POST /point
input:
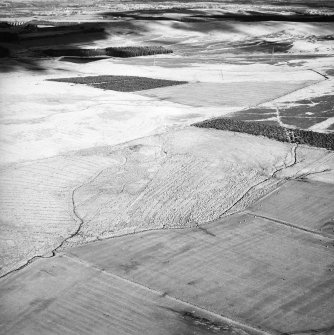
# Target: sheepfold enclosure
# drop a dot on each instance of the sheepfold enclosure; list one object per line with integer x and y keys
{"x": 282, "y": 134}
{"x": 123, "y": 52}
{"x": 120, "y": 83}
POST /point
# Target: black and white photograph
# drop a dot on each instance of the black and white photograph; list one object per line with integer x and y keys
{"x": 166, "y": 167}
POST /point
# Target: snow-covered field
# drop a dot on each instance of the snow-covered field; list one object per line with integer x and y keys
{"x": 237, "y": 226}
{"x": 61, "y": 142}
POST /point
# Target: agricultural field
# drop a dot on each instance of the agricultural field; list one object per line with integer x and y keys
{"x": 230, "y": 94}
{"x": 166, "y": 167}
{"x": 289, "y": 204}
{"x": 123, "y": 52}
{"x": 278, "y": 133}
{"x": 311, "y": 108}
{"x": 121, "y": 83}
{"x": 231, "y": 268}
{"x": 107, "y": 302}
{"x": 210, "y": 258}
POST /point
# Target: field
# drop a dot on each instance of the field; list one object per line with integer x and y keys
{"x": 118, "y": 216}
{"x": 289, "y": 204}
{"x": 310, "y": 108}
{"x": 228, "y": 268}
{"x": 100, "y": 302}
{"x": 123, "y": 52}
{"x": 230, "y": 94}
{"x": 271, "y": 131}
{"x": 192, "y": 281}
{"x": 121, "y": 83}
{"x": 103, "y": 191}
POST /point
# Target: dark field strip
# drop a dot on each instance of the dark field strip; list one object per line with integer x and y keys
{"x": 123, "y": 52}
{"x": 271, "y": 131}
{"x": 121, "y": 83}
{"x": 303, "y": 114}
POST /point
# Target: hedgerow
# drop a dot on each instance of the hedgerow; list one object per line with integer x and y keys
{"x": 300, "y": 136}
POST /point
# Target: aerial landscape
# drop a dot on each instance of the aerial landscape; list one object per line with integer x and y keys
{"x": 167, "y": 167}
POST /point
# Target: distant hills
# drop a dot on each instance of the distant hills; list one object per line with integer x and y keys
{"x": 87, "y": 9}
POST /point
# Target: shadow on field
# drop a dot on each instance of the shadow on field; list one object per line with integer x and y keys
{"x": 10, "y": 64}
{"x": 19, "y": 43}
